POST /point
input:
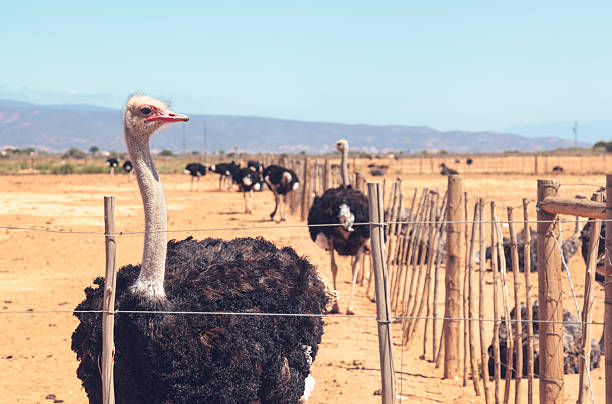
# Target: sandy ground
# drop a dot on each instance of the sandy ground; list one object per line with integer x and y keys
{"x": 48, "y": 271}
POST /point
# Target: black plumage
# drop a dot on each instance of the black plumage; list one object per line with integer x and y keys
{"x": 127, "y": 166}
{"x": 281, "y": 182}
{"x": 326, "y": 210}
{"x": 226, "y": 172}
{"x": 112, "y": 162}
{"x": 248, "y": 180}
{"x": 166, "y": 358}
{"x": 195, "y": 170}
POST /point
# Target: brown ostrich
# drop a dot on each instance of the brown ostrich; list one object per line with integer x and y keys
{"x": 342, "y": 207}
{"x": 179, "y": 358}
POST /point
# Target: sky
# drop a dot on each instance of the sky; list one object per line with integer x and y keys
{"x": 449, "y": 65}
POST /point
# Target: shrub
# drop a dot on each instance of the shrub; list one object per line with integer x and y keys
{"x": 63, "y": 169}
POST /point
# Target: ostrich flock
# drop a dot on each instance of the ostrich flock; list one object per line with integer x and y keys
{"x": 165, "y": 357}
{"x": 161, "y": 357}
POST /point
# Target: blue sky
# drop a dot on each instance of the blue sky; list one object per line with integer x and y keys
{"x": 448, "y": 65}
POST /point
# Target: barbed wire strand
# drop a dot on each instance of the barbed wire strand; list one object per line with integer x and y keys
{"x": 208, "y": 229}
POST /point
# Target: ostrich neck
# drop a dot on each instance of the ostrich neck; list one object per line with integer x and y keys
{"x": 345, "y": 180}
{"x": 150, "y": 282}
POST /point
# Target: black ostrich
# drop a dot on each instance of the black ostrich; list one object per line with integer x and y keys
{"x": 112, "y": 163}
{"x": 168, "y": 358}
{"x": 342, "y": 207}
{"x": 128, "y": 168}
{"x": 248, "y": 180}
{"x": 447, "y": 170}
{"x": 469, "y": 161}
{"x": 281, "y": 181}
{"x": 557, "y": 170}
{"x": 195, "y": 170}
{"x": 226, "y": 173}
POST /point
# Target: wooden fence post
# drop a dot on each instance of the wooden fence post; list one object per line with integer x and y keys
{"x": 550, "y": 298}
{"x": 108, "y": 315}
{"x": 305, "y": 191}
{"x": 383, "y": 307}
{"x": 608, "y": 292}
{"x": 454, "y": 252}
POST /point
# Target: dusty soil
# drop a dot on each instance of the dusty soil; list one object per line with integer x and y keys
{"x": 48, "y": 271}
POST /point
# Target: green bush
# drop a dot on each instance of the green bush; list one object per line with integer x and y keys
{"x": 93, "y": 170}
{"x": 63, "y": 169}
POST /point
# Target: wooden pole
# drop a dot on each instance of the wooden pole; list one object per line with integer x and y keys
{"x": 529, "y": 308}
{"x": 471, "y": 302}
{"x": 575, "y": 207}
{"x": 496, "y": 317}
{"x": 436, "y": 283}
{"x": 454, "y": 252}
{"x": 551, "y": 301}
{"x": 518, "y": 339}
{"x": 484, "y": 357}
{"x": 587, "y": 309}
{"x": 108, "y": 315}
{"x": 305, "y": 191}
{"x": 504, "y": 287}
{"x": 383, "y": 307}
{"x": 608, "y": 292}
{"x": 466, "y": 325}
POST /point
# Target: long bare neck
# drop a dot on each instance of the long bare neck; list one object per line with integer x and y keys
{"x": 344, "y": 168}
{"x": 150, "y": 282}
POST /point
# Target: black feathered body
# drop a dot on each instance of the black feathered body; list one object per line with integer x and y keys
{"x": 248, "y": 179}
{"x": 127, "y": 166}
{"x": 112, "y": 162}
{"x": 326, "y": 209}
{"x": 189, "y": 358}
{"x": 226, "y": 169}
{"x": 195, "y": 169}
{"x": 276, "y": 177}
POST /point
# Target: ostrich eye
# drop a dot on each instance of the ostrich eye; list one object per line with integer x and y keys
{"x": 145, "y": 110}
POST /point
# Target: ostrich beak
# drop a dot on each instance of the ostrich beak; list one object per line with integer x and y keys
{"x": 168, "y": 116}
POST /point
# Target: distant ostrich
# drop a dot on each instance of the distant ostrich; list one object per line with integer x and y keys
{"x": 557, "y": 170}
{"x": 469, "y": 161}
{"x": 226, "y": 173}
{"x": 281, "y": 181}
{"x": 168, "y": 358}
{"x": 112, "y": 163}
{"x": 447, "y": 170}
{"x": 259, "y": 167}
{"x": 248, "y": 180}
{"x": 343, "y": 206}
{"x": 128, "y": 168}
{"x": 195, "y": 170}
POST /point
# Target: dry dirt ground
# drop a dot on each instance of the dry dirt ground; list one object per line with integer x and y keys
{"x": 48, "y": 271}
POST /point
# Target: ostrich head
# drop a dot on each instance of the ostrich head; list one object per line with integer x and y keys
{"x": 342, "y": 145}
{"x": 144, "y": 115}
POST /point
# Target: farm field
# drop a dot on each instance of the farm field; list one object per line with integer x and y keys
{"x": 48, "y": 271}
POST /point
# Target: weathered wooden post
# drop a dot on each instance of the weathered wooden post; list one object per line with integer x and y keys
{"x": 305, "y": 191}
{"x": 108, "y": 313}
{"x": 454, "y": 252}
{"x": 608, "y": 292}
{"x": 528, "y": 311}
{"x": 383, "y": 306}
{"x": 587, "y": 309}
{"x": 550, "y": 299}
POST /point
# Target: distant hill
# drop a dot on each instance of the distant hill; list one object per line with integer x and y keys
{"x": 59, "y": 127}
{"x": 588, "y": 131}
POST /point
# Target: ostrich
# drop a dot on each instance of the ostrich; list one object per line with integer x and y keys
{"x": 469, "y": 161}
{"x": 112, "y": 163}
{"x": 128, "y": 168}
{"x": 557, "y": 170}
{"x": 281, "y": 181}
{"x": 447, "y": 170}
{"x": 342, "y": 207}
{"x": 195, "y": 170}
{"x": 249, "y": 180}
{"x": 169, "y": 358}
{"x": 226, "y": 172}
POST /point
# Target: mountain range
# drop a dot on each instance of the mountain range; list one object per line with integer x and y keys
{"x": 60, "y": 127}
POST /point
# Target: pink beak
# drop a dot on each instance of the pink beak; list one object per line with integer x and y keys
{"x": 168, "y": 116}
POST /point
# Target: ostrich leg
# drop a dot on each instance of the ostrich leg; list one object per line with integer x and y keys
{"x": 191, "y": 185}
{"x": 355, "y": 272}
{"x": 276, "y": 201}
{"x": 251, "y": 201}
{"x": 284, "y": 208}
{"x": 220, "y": 182}
{"x": 334, "y": 271}
{"x": 112, "y": 171}
{"x": 246, "y": 206}
{"x": 198, "y": 184}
